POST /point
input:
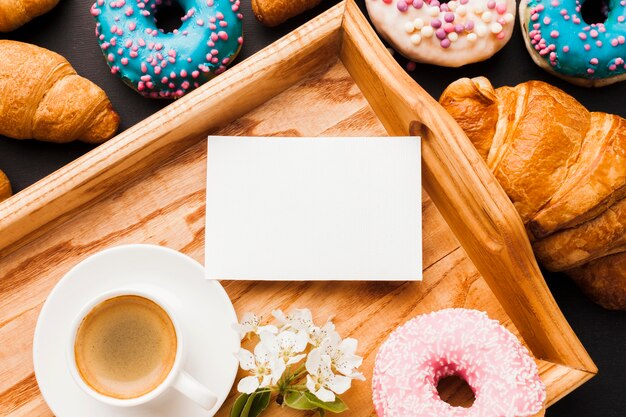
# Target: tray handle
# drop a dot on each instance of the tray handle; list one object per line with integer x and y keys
{"x": 466, "y": 193}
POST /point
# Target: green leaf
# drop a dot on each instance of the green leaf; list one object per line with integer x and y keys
{"x": 260, "y": 403}
{"x": 337, "y": 406}
{"x": 298, "y": 400}
{"x": 240, "y": 402}
{"x": 245, "y": 412}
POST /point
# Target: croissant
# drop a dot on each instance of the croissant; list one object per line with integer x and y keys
{"x": 15, "y": 13}
{"x": 5, "y": 187}
{"x": 564, "y": 169}
{"x": 42, "y": 97}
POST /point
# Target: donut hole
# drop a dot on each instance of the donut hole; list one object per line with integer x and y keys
{"x": 455, "y": 391}
{"x": 594, "y": 11}
{"x": 168, "y": 16}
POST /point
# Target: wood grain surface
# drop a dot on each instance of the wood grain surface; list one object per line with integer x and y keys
{"x": 148, "y": 185}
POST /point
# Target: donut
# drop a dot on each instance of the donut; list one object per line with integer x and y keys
{"x": 560, "y": 41}
{"x": 168, "y": 65}
{"x": 448, "y": 34}
{"x": 461, "y": 342}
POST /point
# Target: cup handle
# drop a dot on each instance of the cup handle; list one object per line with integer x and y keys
{"x": 195, "y": 391}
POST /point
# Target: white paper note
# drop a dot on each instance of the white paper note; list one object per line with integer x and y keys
{"x": 313, "y": 209}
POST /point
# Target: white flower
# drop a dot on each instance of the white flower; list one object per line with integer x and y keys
{"x": 320, "y": 380}
{"x": 298, "y": 320}
{"x": 288, "y": 345}
{"x": 265, "y": 366}
{"x": 251, "y": 324}
{"x": 342, "y": 355}
{"x": 318, "y": 334}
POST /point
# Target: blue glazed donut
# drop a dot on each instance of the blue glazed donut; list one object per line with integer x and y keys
{"x": 560, "y": 41}
{"x": 168, "y": 65}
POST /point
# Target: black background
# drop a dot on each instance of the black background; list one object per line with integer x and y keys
{"x": 69, "y": 30}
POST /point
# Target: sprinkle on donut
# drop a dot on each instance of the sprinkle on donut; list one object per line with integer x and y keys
{"x": 558, "y": 34}
{"x": 168, "y": 65}
{"x": 462, "y": 31}
{"x": 461, "y": 342}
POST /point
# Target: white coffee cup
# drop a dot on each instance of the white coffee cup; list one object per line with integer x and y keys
{"x": 177, "y": 378}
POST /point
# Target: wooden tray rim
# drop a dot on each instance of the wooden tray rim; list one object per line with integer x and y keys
{"x": 342, "y": 31}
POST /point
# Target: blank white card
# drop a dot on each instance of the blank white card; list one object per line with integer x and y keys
{"x": 313, "y": 209}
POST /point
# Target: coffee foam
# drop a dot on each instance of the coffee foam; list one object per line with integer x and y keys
{"x": 125, "y": 347}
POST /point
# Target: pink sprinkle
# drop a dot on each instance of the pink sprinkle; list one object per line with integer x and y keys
{"x": 183, "y": 73}
{"x": 590, "y": 70}
{"x": 141, "y": 86}
{"x": 555, "y": 3}
{"x": 133, "y": 54}
{"x": 500, "y": 35}
{"x": 546, "y": 20}
{"x": 124, "y": 61}
{"x": 566, "y": 49}
{"x": 145, "y": 78}
{"x": 158, "y": 47}
{"x": 195, "y": 74}
{"x": 111, "y": 57}
{"x": 144, "y": 67}
{"x": 612, "y": 67}
{"x": 200, "y": 22}
{"x": 593, "y": 61}
{"x": 491, "y": 4}
{"x": 128, "y": 43}
{"x": 448, "y": 27}
{"x": 587, "y": 47}
{"x": 209, "y": 3}
{"x": 172, "y": 75}
{"x": 614, "y": 42}
{"x": 214, "y": 37}
{"x": 445, "y": 43}
{"x": 582, "y": 36}
{"x": 621, "y": 19}
{"x": 225, "y": 61}
{"x": 185, "y": 85}
{"x": 157, "y": 70}
{"x": 554, "y": 34}
{"x": 219, "y": 15}
{"x": 621, "y": 39}
{"x": 501, "y": 8}
{"x": 223, "y": 23}
{"x": 223, "y": 35}
{"x": 215, "y": 60}
{"x": 164, "y": 80}
{"x": 599, "y": 44}
{"x": 594, "y": 33}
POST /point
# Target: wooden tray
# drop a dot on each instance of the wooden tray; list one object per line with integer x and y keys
{"x": 330, "y": 77}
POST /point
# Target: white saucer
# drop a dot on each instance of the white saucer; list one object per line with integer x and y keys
{"x": 203, "y": 308}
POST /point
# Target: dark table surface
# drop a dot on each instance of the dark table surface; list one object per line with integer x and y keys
{"x": 68, "y": 30}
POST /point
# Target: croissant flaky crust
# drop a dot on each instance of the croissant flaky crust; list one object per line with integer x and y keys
{"x": 15, "y": 13}
{"x": 5, "y": 187}
{"x": 564, "y": 169}
{"x": 42, "y": 97}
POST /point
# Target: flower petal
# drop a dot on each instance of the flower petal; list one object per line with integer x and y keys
{"x": 246, "y": 360}
{"x": 325, "y": 395}
{"x": 296, "y": 359}
{"x": 248, "y": 385}
{"x": 339, "y": 383}
{"x": 278, "y": 368}
{"x": 313, "y": 361}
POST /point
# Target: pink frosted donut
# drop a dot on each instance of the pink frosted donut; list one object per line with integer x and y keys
{"x": 461, "y": 342}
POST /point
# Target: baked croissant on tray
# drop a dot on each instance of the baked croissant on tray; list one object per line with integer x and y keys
{"x": 564, "y": 169}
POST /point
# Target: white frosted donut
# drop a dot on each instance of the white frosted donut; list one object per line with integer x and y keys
{"x": 467, "y": 343}
{"x": 448, "y": 34}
